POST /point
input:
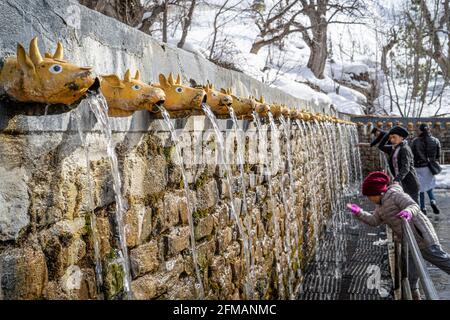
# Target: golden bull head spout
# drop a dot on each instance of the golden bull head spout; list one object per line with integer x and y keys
{"x": 219, "y": 101}
{"x": 243, "y": 107}
{"x": 262, "y": 108}
{"x": 180, "y": 100}
{"x": 31, "y": 78}
{"x": 129, "y": 95}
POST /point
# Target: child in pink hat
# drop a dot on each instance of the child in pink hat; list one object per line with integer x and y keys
{"x": 391, "y": 205}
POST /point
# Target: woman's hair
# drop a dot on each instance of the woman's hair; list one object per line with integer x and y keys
{"x": 424, "y": 127}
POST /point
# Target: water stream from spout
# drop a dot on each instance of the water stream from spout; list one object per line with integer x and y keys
{"x": 169, "y": 124}
{"x": 275, "y": 140}
{"x": 99, "y": 107}
{"x": 313, "y": 191}
{"x": 291, "y": 218}
{"x": 358, "y": 164}
{"x": 245, "y": 213}
{"x": 220, "y": 141}
{"x": 267, "y": 172}
{"x": 77, "y": 114}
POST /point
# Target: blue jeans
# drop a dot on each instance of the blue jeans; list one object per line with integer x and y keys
{"x": 422, "y": 198}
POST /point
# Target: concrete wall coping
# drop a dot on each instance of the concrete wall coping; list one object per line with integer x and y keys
{"x": 90, "y": 38}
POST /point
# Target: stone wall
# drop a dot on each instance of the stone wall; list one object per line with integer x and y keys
{"x": 46, "y": 247}
{"x": 46, "y": 240}
{"x": 373, "y": 159}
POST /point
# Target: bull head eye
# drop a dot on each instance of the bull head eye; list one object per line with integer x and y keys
{"x": 213, "y": 94}
{"x": 136, "y": 87}
{"x": 55, "y": 68}
{"x": 179, "y": 89}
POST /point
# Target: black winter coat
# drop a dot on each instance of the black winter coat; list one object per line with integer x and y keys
{"x": 425, "y": 147}
{"x": 405, "y": 161}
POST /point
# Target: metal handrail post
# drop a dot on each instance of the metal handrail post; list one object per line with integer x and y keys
{"x": 406, "y": 288}
{"x": 425, "y": 280}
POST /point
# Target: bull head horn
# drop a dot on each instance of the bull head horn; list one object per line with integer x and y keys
{"x": 35, "y": 54}
{"x": 178, "y": 80}
{"x": 163, "y": 81}
{"x": 127, "y": 76}
{"x": 24, "y": 60}
{"x": 59, "y": 53}
{"x": 170, "y": 79}
{"x": 137, "y": 76}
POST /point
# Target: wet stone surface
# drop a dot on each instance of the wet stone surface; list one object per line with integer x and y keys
{"x": 441, "y": 224}
{"x": 351, "y": 263}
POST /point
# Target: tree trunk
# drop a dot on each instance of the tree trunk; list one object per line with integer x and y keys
{"x": 388, "y": 47}
{"x": 437, "y": 52}
{"x": 165, "y": 21}
{"x": 318, "y": 45}
{"x": 129, "y": 12}
{"x": 186, "y": 25}
{"x": 317, "y": 59}
{"x": 256, "y": 46}
{"x": 148, "y": 23}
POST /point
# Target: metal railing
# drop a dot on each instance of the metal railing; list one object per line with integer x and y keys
{"x": 403, "y": 249}
{"x": 409, "y": 246}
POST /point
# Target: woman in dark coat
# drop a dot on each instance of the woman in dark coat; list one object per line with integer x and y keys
{"x": 425, "y": 148}
{"x": 401, "y": 160}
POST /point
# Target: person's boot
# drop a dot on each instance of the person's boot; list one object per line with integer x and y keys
{"x": 424, "y": 211}
{"x": 434, "y": 207}
{"x": 416, "y": 294}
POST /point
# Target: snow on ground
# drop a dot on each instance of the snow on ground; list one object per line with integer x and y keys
{"x": 443, "y": 179}
{"x": 301, "y": 90}
{"x": 353, "y": 61}
{"x": 286, "y": 69}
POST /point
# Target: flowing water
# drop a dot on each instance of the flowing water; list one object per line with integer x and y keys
{"x": 92, "y": 217}
{"x": 275, "y": 139}
{"x": 166, "y": 116}
{"x": 99, "y": 107}
{"x": 245, "y": 213}
{"x": 276, "y": 228}
{"x": 292, "y": 219}
{"x": 221, "y": 149}
{"x": 288, "y": 203}
{"x": 331, "y": 170}
{"x": 312, "y": 191}
{"x": 358, "y": 163}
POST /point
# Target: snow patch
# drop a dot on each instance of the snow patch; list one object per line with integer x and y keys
{"x": 443, "y": 179}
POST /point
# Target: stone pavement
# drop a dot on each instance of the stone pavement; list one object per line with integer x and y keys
{"x": 441, "y": 223}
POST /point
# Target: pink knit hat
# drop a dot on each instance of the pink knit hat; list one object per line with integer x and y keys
{"x": 375, "y": 183}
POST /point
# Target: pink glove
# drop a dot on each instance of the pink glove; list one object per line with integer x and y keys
{"x": 405, "y": 214}
{"x": 354, "y": 208}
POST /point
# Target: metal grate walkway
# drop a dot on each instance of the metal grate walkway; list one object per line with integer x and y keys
{"x": 351, "y": 264}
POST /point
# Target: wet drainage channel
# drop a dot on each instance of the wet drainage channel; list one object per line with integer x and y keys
{"x": 361, "y": 255}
